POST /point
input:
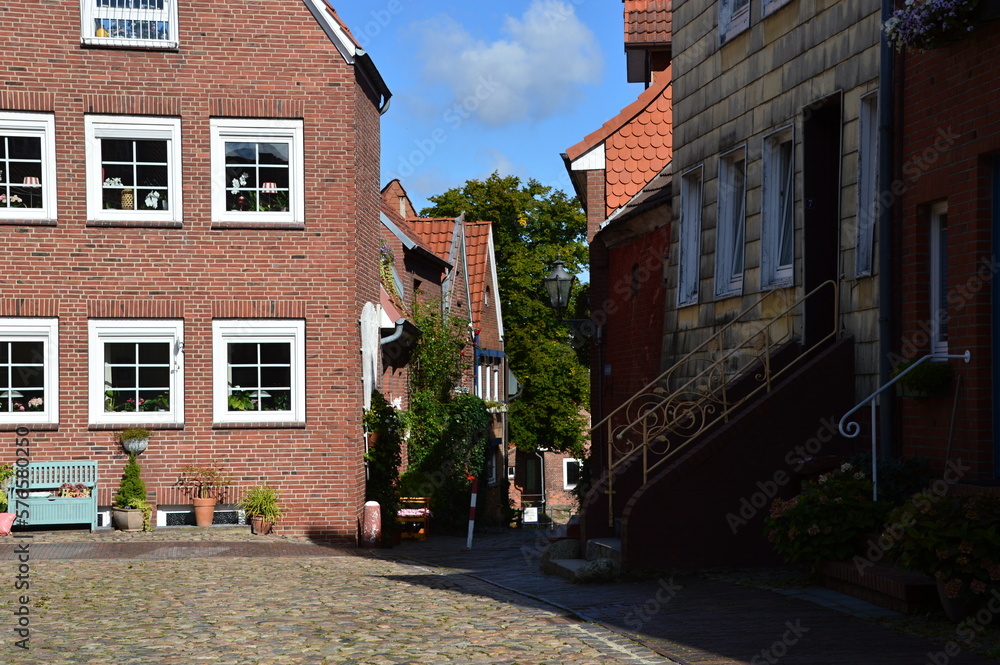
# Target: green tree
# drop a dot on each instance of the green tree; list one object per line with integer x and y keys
{"x": 533, "y": 226}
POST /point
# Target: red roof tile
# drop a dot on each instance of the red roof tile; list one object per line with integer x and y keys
{"x": 647, "y": 21}
{"x": 437, "y": 232}
{"x": 343, "y": 26}
{"x": 477, "y": 244}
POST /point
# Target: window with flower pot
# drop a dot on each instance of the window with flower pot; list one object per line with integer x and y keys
{"x": 730, "y": 224}
{"x": 129, "y": 23}
{"x": 29, "y": 370}
{"x": 27, "y": 166}
{"x": 133, "y": 168}
{"x": 136, "y": 371}
{"x": 259, "y": 370}
{"x": 257, "y": 169}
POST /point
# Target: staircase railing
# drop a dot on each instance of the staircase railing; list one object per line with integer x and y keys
{"x": 706, "y": 386}
{"x": 851, "y": 428}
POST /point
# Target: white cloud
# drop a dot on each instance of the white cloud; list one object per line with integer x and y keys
{"x": 534, "y": 72}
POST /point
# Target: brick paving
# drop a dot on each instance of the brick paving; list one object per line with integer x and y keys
{"x": 151, "y": 599}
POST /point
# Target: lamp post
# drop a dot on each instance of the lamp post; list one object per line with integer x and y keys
{"x": 559, "y": 283}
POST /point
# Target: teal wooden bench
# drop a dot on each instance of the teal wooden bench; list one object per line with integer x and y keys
{"x": 41, "y": 505}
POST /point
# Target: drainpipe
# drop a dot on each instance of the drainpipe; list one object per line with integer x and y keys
{"x": 886, "y": 112}
{"x": 395, "y": 335}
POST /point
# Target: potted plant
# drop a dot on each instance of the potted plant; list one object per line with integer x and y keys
{"x": 955, "y": 540}
{"x": 206, "y": 484}
{"x": 260, "y": 503}
{"x": 929, "y": 24}
{"x": 130, "y": 511}
{"x": 134, "y": 439}
{"x": 6, "y": 518}
{"x": 928, "y": 379}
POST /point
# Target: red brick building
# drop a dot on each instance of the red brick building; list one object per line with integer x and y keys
{"x": 190, "y": 211}
{"x": 947, "y": 193}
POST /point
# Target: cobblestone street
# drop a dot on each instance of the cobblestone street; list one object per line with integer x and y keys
{"x": 307, "y": 604}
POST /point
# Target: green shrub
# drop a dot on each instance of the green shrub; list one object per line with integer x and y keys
{"x": 132, "y": 488}
{"x": 383, "y": 458}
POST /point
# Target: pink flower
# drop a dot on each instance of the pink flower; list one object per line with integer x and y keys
{"x": 35, "y": 401}
{"x": 978, "y": 586}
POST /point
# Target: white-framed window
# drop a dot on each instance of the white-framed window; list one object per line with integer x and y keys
{"x": 258, "y": 370}
{"x": 777, "y": 247}
{"x": 867, "y": 209}
{"x": 688, "y": 273}
{"x": 768, "y": 7}
{"x": 129, "y": 23}
{"x": 133, "y": 168}
{"x": 734, "y": 18}
{"x": 257, "y": 170}
{"x": 136, "y": 370}
{"x": 731, "y": 223}
{"x": 27, "y": 166}
{"x": 29, "y": 370}
{"x": 939, "y": 277}
{"x": 571, "y": 472}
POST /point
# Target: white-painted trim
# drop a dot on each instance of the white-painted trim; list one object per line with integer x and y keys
{"x": 36, "y": 330}
{"x": 42, "y": 126}
{"x": 592, "y": 160}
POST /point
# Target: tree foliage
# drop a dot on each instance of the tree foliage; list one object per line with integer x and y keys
{"x": 533, "y": 226}
{"x": 384, "y": 457}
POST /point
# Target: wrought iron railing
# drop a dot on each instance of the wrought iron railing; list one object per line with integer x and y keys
{"x": 706, "y": 386}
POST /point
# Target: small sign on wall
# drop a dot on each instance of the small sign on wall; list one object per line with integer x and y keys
{"x": 530, "y": 516}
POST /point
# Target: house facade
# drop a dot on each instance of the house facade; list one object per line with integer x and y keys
{"x": 946, "y": 200}
{"x": 190, "y": 207}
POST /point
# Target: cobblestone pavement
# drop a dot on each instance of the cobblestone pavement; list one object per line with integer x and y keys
{"x": 692, "y": 619}
{"x": 285, "y": 601}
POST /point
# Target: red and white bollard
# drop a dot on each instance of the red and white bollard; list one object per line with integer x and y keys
{"x": 371, "y": 525}
{"x": 472, "y": 512}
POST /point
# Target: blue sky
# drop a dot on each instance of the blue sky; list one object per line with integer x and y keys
{"x": 479, "y": 87}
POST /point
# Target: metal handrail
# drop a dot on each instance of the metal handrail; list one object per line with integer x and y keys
{"x": 851, "y": 429}
{"x": 690, "y": 410}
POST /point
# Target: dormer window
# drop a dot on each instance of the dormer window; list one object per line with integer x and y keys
{"x": 130, "y": 23}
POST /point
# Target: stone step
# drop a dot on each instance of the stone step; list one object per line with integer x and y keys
{"x": 605, "y": 548}
{"x": 565, "y": 568}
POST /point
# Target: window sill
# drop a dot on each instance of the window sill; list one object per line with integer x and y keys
{"x": 112, "y": 427}
{"x": 169, "y": 47}
{"x": 274, "y": 226}
{"x": 27, "y": 222}
{"x": 132, "y": 224}
{"x": 780, "y": 284}
{"x": 32, "y": 427}
{"x": 259, "y": 425}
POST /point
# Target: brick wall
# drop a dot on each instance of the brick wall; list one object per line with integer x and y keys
{"x": 230, "y": 63}
{"x": 946, "y": 156}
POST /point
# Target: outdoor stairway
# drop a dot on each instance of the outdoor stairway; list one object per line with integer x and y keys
{"x": 597, "y": 549}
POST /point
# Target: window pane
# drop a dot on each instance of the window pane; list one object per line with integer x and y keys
{"x": 273, "y": 153}
{"x": 243, "y": 377}
{"x": 152, "y": 400}
{"x": 276, "y": 377}
{"x": 241, "y": 153}
{"x": 116, "y": 150}
{"x": 276, "y": 353}
{"x": 276, "y": 400}
{"x": 4, "y": 352}
{"x": 28, "y": 377}
{"x": 151, "y": 151}
{"x": 154, "y": 353}
{"x": 154, "y": 377}
{"x": 121, "y": 377}
{"x": 241, "y": 353}
{"x": 572, "y": 472}
{"x": 24, "y": 147}
{"x": 27, "y": 352}
{"x": 116, "y": 353}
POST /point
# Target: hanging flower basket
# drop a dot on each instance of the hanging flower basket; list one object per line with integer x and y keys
{"x": 922, "y": 25}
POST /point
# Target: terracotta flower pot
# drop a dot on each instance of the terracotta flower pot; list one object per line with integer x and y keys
{"x": 204, "y": 510}
{"x": 260, "y": 526}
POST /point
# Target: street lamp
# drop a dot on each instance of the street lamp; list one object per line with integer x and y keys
{"x": 558, "y": 284}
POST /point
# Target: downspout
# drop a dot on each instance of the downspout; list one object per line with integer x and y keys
{"x": 395, "y": 335}
{"x": 886, "y": 204}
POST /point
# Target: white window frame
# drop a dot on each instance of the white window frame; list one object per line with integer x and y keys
{"x": 689, "y": 237}
{"x": 47, "y": 332}
{"x": 730, "y": 224}
{"x": 258, "y": 131}
{"x": 732, "y": 21}
{"x": 264, "y": 331}
{"x": 96, "y": 128}
{"x": 566, "y": 462}
{"x": 90, "y": 11}
{"x": 939, "y": 277}
{"x": 868, "y": 194}
{"x": 777, "y": 208}
{"x": 101, "y": 331}
{"x": 42, "y": 126}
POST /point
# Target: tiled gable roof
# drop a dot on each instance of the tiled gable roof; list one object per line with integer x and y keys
{"x": 477, "y": 246}
{"x": 647, "y": 22}
{"x": 638, "y": 143}
{"x": 437, "y": 232}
